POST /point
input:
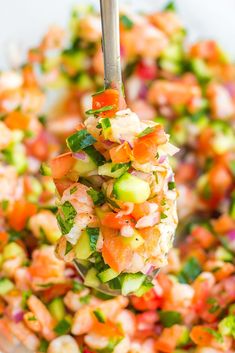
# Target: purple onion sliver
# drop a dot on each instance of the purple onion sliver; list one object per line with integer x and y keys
{"x": 80, "y": 155}
{"x": 108, "y": 143}
{"x": 231, "y": 235}
{"x": 143, "y": 92}
{"x": 18, "y": 316}
{"x": 161, "y": 159}
{"x": 69, "y": 273}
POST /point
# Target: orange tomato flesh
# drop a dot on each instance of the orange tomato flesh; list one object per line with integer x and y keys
{"x": 200, "y": 336}
{"x": 17, "y": 120}
{"x": 61, "y": 165}
{"x": 120, "y": 154}
{"x": 112, "y": 220}
{"x": 21, "y": 212}
{"x": 108, "y": 97}
{"x": 3, "y": 239}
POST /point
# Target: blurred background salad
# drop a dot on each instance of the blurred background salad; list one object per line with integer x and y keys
{"x": 190, "y": 89}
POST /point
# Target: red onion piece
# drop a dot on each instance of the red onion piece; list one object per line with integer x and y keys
{"x": 143, "y": 92}
{"x": 18, "y": 316}
{"x": 231, "y": 235}
{"x": 108, "y": 143}
{"x": 80, "y": 155}
{"x": 162, "y": 159}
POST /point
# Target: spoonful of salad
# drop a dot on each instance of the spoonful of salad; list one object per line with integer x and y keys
{"x": 117, "y": 196}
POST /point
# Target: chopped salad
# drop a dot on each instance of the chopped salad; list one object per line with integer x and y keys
{"x": 117, "y": 207}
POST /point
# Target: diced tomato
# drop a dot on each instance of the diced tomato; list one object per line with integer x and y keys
{"x": 109, "y": 97}
{"x": 61, "y": 165}
{"x": 140, "y": 210}
{"x": 35, "y": 55}
{"x": 17, "y": 120}
{"x": 121, "y": 153}
{"x": 39, "y": 146}
{"x": 224, "y": 272}
{"x": 205, "y": 141}
{"x": 145, "y": 148}
{"x": 223, "y": 224}
{"x": 113, "y": 220}
{"x": 167, "y": 342}
{"x": 146, "y": 71}
{"x": 186, "y": 172}
{"x": 203, "y": 236}
{"x": 116, "y": 253}
{"x": 207, "y": 49}
{"x": 220, "y": 179}
{"x": 149, "y": 301}
{"x": 62, "y": 185}
{"x": 21, "y": 212}
{"x": 3, "y": 239}
{"x": 107, "y": 329}
{"x": 29, "y": 76}
{"x": 56, "y": 290}
{"x": 200, "y": 336}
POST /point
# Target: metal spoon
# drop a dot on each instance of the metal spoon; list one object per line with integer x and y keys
{"x": 112, "y": 78}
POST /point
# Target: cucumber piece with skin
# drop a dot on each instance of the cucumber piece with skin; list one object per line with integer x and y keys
{"x": 129, "y": 188}
{"x": 131, "y": 282}
{"x": 91, "y": 279}
{"x": 82, "y": 248}
{"x": 5, "y": 286}
{"x": 107, "y": 275}
{"x": 84, "y": 167}
{"x": 57, "y": 308}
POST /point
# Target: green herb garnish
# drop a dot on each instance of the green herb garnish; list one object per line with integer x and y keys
{"x": 169, "y": 318}
{"x": 126, "y": 21}
{"x": 93, "y": 234}
{"x": 63, "y": 327}
{"x": 105, "y": 123}
{"x": 43, "y": 346}
{"x": 98, "y": 197}
{"x": 45, "y": 170}
{"x": 146, "y": 131}
{"x": 73, "y": 189}
{"x": 99, "y": 315}
{"x": 101, "y": 110}
{"x": 69, "y": 247}
{"x": 171, "y": 185}
{"x": 217, "y": 335}
{"x": 190, "y": 270}
{"x": 80, "y": 140}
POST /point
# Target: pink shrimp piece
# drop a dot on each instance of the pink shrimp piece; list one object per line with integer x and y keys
{"x": 127, "y": 320}
{"x": 144, "y": 110}
{"x": 46, "y": 267}
{"x": 72, "y": 300}
{"x": 168, "y": 22}
{"x": 22, "y": 278}
{"x": 5, "y": 136}
{"x": 24, "y": 335}
{"x": 31, "y": 322}
{"x": 152, "y": 42}
{"x": 173, "y": 93}
{"x": 53, "y": 39}
{"x": 83, "y": 321}
{"x": 43, "y": 315}
{"x": 9, "y": 267}
{"x": 111, "y": 308}
{"x": 80, "y": 199}
{"x": 45, "y": 220}
{"x": 221, "y": 102}
{"x": 89, "y": 28}
{"x": 8, "y": 183}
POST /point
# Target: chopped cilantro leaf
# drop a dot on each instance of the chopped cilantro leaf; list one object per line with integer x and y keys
{"x": 190, "y": 270}
{"x": 217, "y": 335}
{"x": 4, "y": 204}
{"x": 163, "y": 215}
{"x": 105, "y": 123}
{"x": 45, "y": 170}
{"x": 118, "y": 166}
{"x": 77, "y": 286}
{"x": 63, "y": 327}
{"x": 93, "y": 234}
{"x": 73, "y": 189}
{"x": 146, "y": 131}
{"x": 169, "y": 318}
{"x": 170, "y": 6}
{"x": 69, "y": 247}
{"x": 98, "y": 197}
{"x": 80, "y": 140}
{"x": 101, "y": 110}
{"x": 126, "y": 22}
{"x": 171, "y": 185}
{"x": 68, "y": 211}
{"x": 99, "y": 315}
{"x": 85, "y": 299}
{"x": 43, "y": 346}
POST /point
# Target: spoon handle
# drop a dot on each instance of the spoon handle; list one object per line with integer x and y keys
{"x": 111, "y": 43}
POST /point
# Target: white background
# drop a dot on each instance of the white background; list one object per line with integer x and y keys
{"x": 24, "y": 21}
